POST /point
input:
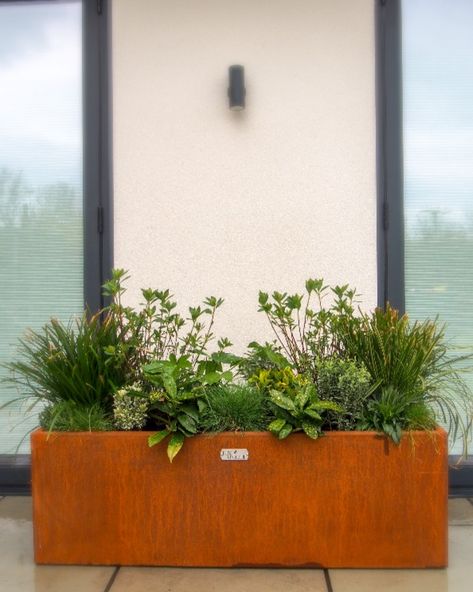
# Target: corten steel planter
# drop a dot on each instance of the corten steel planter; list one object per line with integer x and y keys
{"x": 349, "y": 499}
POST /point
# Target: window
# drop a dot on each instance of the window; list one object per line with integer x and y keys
{"x": 437, "y": 74}
{"x": 54, "y": 208}
{"x": 426, "y": 150}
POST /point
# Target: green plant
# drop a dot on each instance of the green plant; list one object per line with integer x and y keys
{"x": 150, "y": 367}
{"x": 155, "y": 330}
{"x": 283, "y": 380}
{"x": 302, "y": 410}
{"x": 70, "y": 363}
{"x": 234, "y": 407}
{"x": 130, "y": 408}
{"x": 177, "y": 399}
{"x": 306, "y": 333}
{"x": 261, "y": 357}
{"x": 294, "y": 402}
{"x": 413, "y": 361}
{"x": 391, "y": 413}
{"x": 120, "y": 357}
{"x": 348, "y": 384}
{"x": 68, "y": 416}
{"x": 168, "y": 357}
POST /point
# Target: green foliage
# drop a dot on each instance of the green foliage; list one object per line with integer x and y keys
{"x": 305, "y": 328}
{"x": 178, "y": 396}
{"x": 411, "y": 362}
{"x": 284, "y": 380}
{"x": 346, "y": 383}
{"x": 234, "y": 407}
{"x": 151, "y": 367}
{"x": 391, "y": 412}
{"x": 156, "y": 331}
{"x": 130, "y": 408}
{"x": 68, "y": 416}
{"x": 261, "y": 357}
{"x": 396, "y": 353}
{"x": 299, "y": 410}
{"x": 70, "y": 363}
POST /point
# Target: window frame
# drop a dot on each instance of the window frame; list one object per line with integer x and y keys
{"x": 390, "y": 187}
{"x": 390, "y": 178}
{"x": 97, "y": 153}
{"x": 97, "y": 188}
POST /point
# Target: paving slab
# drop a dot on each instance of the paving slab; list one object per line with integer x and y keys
{"x": 457, "y": 578}
{"x": 156, "y": 579}
{"x": 17, "y": 569}
{"x": 460, "y": 512}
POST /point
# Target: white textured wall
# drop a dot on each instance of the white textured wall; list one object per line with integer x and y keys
{"x": 209, "y": 201}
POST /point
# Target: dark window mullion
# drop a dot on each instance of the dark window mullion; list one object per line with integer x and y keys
{"x": 390, "y": 154}
{"x": 98, "y": 231}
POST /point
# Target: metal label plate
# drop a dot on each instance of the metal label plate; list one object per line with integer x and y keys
{"x": 234, "y": 454}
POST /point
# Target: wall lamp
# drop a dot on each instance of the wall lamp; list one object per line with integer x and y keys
{"x": 236, "y": 88}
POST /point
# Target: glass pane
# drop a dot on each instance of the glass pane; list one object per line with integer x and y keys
{"x": 41, "y": 244}
{"x": 438, "y": 159}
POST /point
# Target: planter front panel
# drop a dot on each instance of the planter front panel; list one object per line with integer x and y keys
{"x": 345, "y": 500}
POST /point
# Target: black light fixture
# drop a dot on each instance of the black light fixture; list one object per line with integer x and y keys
{"x": 236, "y": 87}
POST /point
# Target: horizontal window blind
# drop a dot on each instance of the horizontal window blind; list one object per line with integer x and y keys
{"x": 437, "y": 56}
{"x": 41, "y": 201}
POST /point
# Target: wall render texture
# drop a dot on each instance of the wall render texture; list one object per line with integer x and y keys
{"x": 210, "y": 201}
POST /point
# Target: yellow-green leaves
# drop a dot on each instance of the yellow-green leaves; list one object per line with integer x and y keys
{"x": 285, "y": 431}
{"x": 276, "y": 426}
{"x": 304, "y": 394}
{"x": 157, "y": 437}
{"x": 299, "y": 409}
{"x": 280, "y": 428}
{"x": 313, "y": 414}
{"x": 282, "y": 401}
{"x": 169, "y": 384}
{"x": 175, "y": 444}
{"x": 282, "y": 379}
{"x": 311, "y": 430}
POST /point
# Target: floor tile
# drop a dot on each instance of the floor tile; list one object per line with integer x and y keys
{"x": 17, "y": 508}
{"x": 148, "y": 579}
{"x": 457, "y": 578}
{"x": 18, "y": 571}
{"x": 460, "y": 512}
{"x": 377, "y": 580}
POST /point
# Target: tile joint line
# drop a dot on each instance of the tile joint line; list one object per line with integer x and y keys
{"x": 328, "y": 581}
{"x": 112, "y": 579}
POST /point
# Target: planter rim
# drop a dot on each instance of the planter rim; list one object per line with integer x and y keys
{"x": 238, "y": 434}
